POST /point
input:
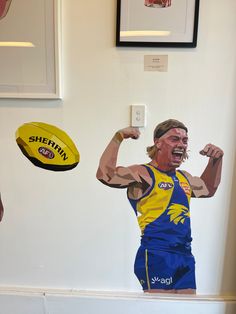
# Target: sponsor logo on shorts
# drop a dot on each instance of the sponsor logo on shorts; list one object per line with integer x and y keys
{"x": 45, "y": 152}
{"x": 165, "y": 185}
{"x": 163, "y": 281}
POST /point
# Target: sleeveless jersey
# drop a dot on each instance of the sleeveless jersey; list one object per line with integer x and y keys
{"x": 163, "y": 212}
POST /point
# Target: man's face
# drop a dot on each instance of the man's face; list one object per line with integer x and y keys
{"x": 172, "y": 147}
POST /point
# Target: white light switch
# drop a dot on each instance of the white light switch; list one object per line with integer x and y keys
{"x": 138, "y": 116}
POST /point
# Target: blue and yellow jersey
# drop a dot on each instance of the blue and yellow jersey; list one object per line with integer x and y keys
{"x": 163, "y": 212}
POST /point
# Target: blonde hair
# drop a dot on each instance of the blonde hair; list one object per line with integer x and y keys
{"x": 167, "y": 125}
{"x": 151, "y": 151}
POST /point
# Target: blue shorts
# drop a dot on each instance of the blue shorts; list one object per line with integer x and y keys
{"x": 164, "y": 270}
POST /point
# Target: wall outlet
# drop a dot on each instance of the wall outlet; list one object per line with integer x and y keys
{"x": 138, "y": 116}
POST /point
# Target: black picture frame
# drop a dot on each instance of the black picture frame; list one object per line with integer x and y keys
{"x": 130, "y": 10}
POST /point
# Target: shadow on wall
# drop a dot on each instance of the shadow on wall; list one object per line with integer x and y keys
{"x": 228, "y": 286}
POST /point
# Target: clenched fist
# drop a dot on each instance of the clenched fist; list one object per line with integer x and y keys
{"x": 212, "y": 151}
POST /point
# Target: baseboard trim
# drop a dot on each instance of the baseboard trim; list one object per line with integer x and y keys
{"x": 122, "y": 295}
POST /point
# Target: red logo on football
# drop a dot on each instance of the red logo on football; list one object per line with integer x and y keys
{"x": 44, "y": 151}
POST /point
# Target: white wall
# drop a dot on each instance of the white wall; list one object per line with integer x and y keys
{"x": 68, "y": 231}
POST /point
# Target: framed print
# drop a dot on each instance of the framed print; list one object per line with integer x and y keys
{"x": 157, "y": 23}
{"x": 30, "y": 49}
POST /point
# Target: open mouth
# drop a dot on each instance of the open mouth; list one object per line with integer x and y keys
{"x": 178, "y": 154}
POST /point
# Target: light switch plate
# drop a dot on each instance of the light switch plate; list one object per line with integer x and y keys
{"x": 138, "y": 116}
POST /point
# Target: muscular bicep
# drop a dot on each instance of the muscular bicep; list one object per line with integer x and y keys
{"x": 124, "y": 177}
{"x": 198, "y": 186}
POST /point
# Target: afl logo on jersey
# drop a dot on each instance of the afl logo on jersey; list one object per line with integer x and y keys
{"x": 165, "y": 185}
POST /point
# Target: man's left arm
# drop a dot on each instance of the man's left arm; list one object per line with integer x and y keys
{"x": 212, "y": 173}
{"x": 207, "y": 184}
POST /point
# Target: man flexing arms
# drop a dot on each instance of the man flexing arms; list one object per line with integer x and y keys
{"x": 160, "y": 195}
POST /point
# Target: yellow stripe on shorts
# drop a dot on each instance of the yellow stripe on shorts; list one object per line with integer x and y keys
{"x": 146, "y": 266}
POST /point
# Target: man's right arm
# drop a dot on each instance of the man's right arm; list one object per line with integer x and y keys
{"x": 120, "y": 177}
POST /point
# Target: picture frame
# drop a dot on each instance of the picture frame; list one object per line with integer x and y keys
{"x": 30, "y": 49}
{"x": 157, "y": 23}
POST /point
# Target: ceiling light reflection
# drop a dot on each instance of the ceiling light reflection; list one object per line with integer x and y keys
{"x": 144, "y": 33}
{"x": 16, "y": 44}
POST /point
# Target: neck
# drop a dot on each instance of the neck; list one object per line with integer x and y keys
{"x": 161, "y": 167}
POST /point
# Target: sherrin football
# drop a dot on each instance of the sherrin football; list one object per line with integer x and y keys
{"x": 47, "y": 146}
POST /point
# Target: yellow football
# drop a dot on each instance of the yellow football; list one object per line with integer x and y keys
{"x": 47, "y": 146}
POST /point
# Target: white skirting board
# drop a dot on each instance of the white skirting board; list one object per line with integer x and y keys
{"x": 56, "y": 301}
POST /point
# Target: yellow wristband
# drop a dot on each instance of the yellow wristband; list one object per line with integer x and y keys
{"x": 118, "y": 137}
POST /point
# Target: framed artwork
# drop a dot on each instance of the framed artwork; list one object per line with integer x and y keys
{"x": 30, "y": 49}
{"x": 157, "y": 23}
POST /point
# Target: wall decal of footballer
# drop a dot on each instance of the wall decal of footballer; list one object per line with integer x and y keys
{"x": 160, "y": 195}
